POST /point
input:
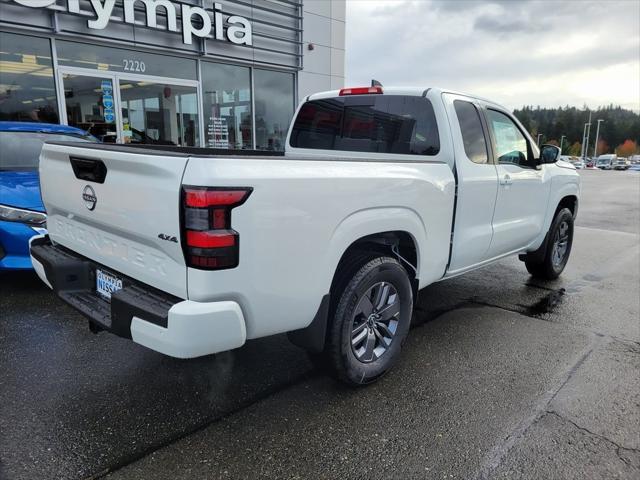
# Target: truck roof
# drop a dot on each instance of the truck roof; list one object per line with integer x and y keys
{"x": 412, "y": 91}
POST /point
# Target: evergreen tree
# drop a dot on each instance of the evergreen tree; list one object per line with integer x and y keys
{"x": 619, "y": 125}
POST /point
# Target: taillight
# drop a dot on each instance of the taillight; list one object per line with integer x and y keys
{"x": 360, "y": 91}
{"x": 208, "y": 239}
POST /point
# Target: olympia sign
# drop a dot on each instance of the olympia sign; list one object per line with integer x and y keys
{"x": 238, "y": 30}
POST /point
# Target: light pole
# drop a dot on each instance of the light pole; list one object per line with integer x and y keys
{"x": 538, "y": 141}
{"x": 583, "y": 150}
{"x": 562, "y": 140}
{"x": 595, "y": 148}
{"x": 586, "y": 144}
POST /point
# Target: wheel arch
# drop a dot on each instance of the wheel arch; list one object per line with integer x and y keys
{"x": 566, "y": 195}
{"x": 365, "y": 233}
{"x": 570, "y": 202}
{"x": 378, "y": 231}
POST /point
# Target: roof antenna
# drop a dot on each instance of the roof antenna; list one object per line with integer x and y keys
{"x": 375, "y": 83}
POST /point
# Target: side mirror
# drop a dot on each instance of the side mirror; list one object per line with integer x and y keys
{"x": 549, "y": 154}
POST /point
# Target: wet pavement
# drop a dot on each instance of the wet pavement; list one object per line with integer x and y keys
{"x": 501, "y": 377}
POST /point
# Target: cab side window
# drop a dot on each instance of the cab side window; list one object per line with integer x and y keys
{"x": 475, "y": 145}
{"x": 511, "y": 145}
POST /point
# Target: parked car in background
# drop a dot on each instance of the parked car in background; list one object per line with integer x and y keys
{"x": 620, "y": 164}
{"x": 578, "y": 163}
{"x": 22, "y": 213}
{"x": 635, "y": 167}
{"x": 605, "y": 162}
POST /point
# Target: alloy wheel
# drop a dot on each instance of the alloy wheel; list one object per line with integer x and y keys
{"x": 560, "y": 244}
{"x": 375, "y": 321}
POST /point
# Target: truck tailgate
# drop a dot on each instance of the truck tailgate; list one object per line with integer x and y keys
{"x": 128, "y": 221}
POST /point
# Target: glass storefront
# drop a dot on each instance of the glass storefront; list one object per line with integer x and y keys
{"x": 226, "y": 94}
{"x": 27, "y": 89}
{"x": 159, "y": 113}
{"x": 119, "y": 60}
{"x": 274, "y": 108}
{"x": 128, "y": 96}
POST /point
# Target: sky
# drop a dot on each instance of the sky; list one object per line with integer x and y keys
{"x": 515, "y": 52}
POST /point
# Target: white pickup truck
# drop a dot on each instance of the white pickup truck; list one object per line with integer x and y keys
{"x": 379, "y": 193}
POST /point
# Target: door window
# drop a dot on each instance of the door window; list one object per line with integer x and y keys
{"x": 511, "y": 145}
{"x": 475, "y": 145}
{"x": 90, "y": 105}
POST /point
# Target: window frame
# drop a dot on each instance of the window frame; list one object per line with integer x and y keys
{"x": 531, "y": 160}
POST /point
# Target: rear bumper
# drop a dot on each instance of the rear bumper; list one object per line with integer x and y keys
{"x": 154, "y": 319}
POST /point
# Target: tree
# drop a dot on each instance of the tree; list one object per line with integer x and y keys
{"x": 603, "y": 147}
{"x": 575, "y": 149}
{"x": 619, "y": 124}
{"x": 626, "y": 149}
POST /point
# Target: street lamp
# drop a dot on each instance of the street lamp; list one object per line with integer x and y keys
{"x": 595, "y": 148}
{"x": 583, "y": 152}
{"x": 586, "y": 137}
{"x": 538, "y": 141}
{"x": 562, "y": 140}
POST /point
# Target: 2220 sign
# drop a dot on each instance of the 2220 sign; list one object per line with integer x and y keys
{"x": 133, "y": 66}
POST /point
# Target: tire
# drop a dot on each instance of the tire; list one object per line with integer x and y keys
{"x": 372, "y": 314}
{"x": 557, "y": 250}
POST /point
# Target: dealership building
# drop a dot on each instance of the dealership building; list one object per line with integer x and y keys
{"x": 216, "y": 73}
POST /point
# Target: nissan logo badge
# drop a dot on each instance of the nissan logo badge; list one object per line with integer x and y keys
{"x": 89, "y": 197}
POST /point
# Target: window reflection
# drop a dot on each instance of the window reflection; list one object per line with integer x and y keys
{"x": 124, "y": 61}
{"x": 274, "y": 108}
{"x": 27, "y": 89}
{"x": 226, "y": 92}
{"x": 511, "y": 146}
{"x": 475, "y": 145}
{"x": 155, "y": 113}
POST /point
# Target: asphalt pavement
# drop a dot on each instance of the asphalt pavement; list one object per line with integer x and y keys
{"x": 501, "y": 377}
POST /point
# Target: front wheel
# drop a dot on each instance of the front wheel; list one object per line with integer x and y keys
{"x": 557, "y": 251}
{"x": 371, "y": 321}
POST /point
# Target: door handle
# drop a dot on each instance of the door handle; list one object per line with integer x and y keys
{"x": 506, "y": 180}
{"x": 89, "y": 169}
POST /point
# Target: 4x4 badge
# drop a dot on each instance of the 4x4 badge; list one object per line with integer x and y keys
{"x": 168, "y": 238}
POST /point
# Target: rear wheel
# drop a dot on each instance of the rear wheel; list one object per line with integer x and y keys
{"x": 558, "y": 248}
{"x": 370, "y": 321}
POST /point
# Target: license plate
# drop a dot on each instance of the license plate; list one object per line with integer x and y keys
{"x": 106, "y": 284}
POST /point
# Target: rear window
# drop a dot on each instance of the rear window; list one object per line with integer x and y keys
{"x": 368, "y": 123}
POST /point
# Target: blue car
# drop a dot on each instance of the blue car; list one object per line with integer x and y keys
{"x": 22, "y": 214}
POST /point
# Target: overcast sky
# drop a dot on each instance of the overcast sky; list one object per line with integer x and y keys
{"x": 516, "y": 52}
